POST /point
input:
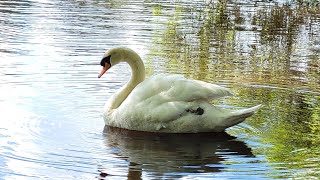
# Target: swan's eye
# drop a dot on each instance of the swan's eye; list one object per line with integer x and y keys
{"x": 105, "y": 60}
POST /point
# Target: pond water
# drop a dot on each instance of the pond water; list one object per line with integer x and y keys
{"x": 51, "y": 101}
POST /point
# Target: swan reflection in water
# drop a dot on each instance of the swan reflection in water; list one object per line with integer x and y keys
{"x": 170, "y": 155}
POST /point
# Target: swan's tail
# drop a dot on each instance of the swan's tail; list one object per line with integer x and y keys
{"x": 238, "y": 116}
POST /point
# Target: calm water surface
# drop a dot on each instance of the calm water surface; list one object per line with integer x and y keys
{"x": 51, "y": 99}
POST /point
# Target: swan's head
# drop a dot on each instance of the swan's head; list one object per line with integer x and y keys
{"x": 111, "y": 58}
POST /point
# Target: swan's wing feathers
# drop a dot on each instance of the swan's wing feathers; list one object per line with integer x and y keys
{"x": 191, "y": 90}
{"x": 169, "y": 88}
{"x": 182, "y": 89}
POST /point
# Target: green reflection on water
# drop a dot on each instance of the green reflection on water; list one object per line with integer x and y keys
{"x": 269, "y": 54}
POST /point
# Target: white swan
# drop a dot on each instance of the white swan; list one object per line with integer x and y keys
{"x": 166, "y": 103}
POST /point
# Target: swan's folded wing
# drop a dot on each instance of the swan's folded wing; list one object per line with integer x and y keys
{"x": 182, "y": 89}
{"x": 191, "y": 90}
{"x": 164, "y": 98}
{"x": 168, "y": 88}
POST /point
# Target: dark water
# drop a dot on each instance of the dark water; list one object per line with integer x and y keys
{"x": 51, "y": 100}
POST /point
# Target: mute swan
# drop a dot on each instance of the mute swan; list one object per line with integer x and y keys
{"x": 166, "y": 103}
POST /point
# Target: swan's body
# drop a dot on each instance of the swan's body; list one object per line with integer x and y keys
{"x": 166, "y": 103}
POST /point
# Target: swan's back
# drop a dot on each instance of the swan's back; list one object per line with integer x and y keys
{"x": 169, "y": 88}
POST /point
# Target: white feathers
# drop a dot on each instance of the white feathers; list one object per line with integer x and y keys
{"x": 169, "y": 103}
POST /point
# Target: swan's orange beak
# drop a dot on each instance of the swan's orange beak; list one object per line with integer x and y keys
{"x": 104, "y": 69}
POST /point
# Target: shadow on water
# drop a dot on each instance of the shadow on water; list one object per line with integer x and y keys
{"x": 167, "y": 155}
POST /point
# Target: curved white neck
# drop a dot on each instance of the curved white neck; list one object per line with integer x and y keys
{"x": 137, "y": 76}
